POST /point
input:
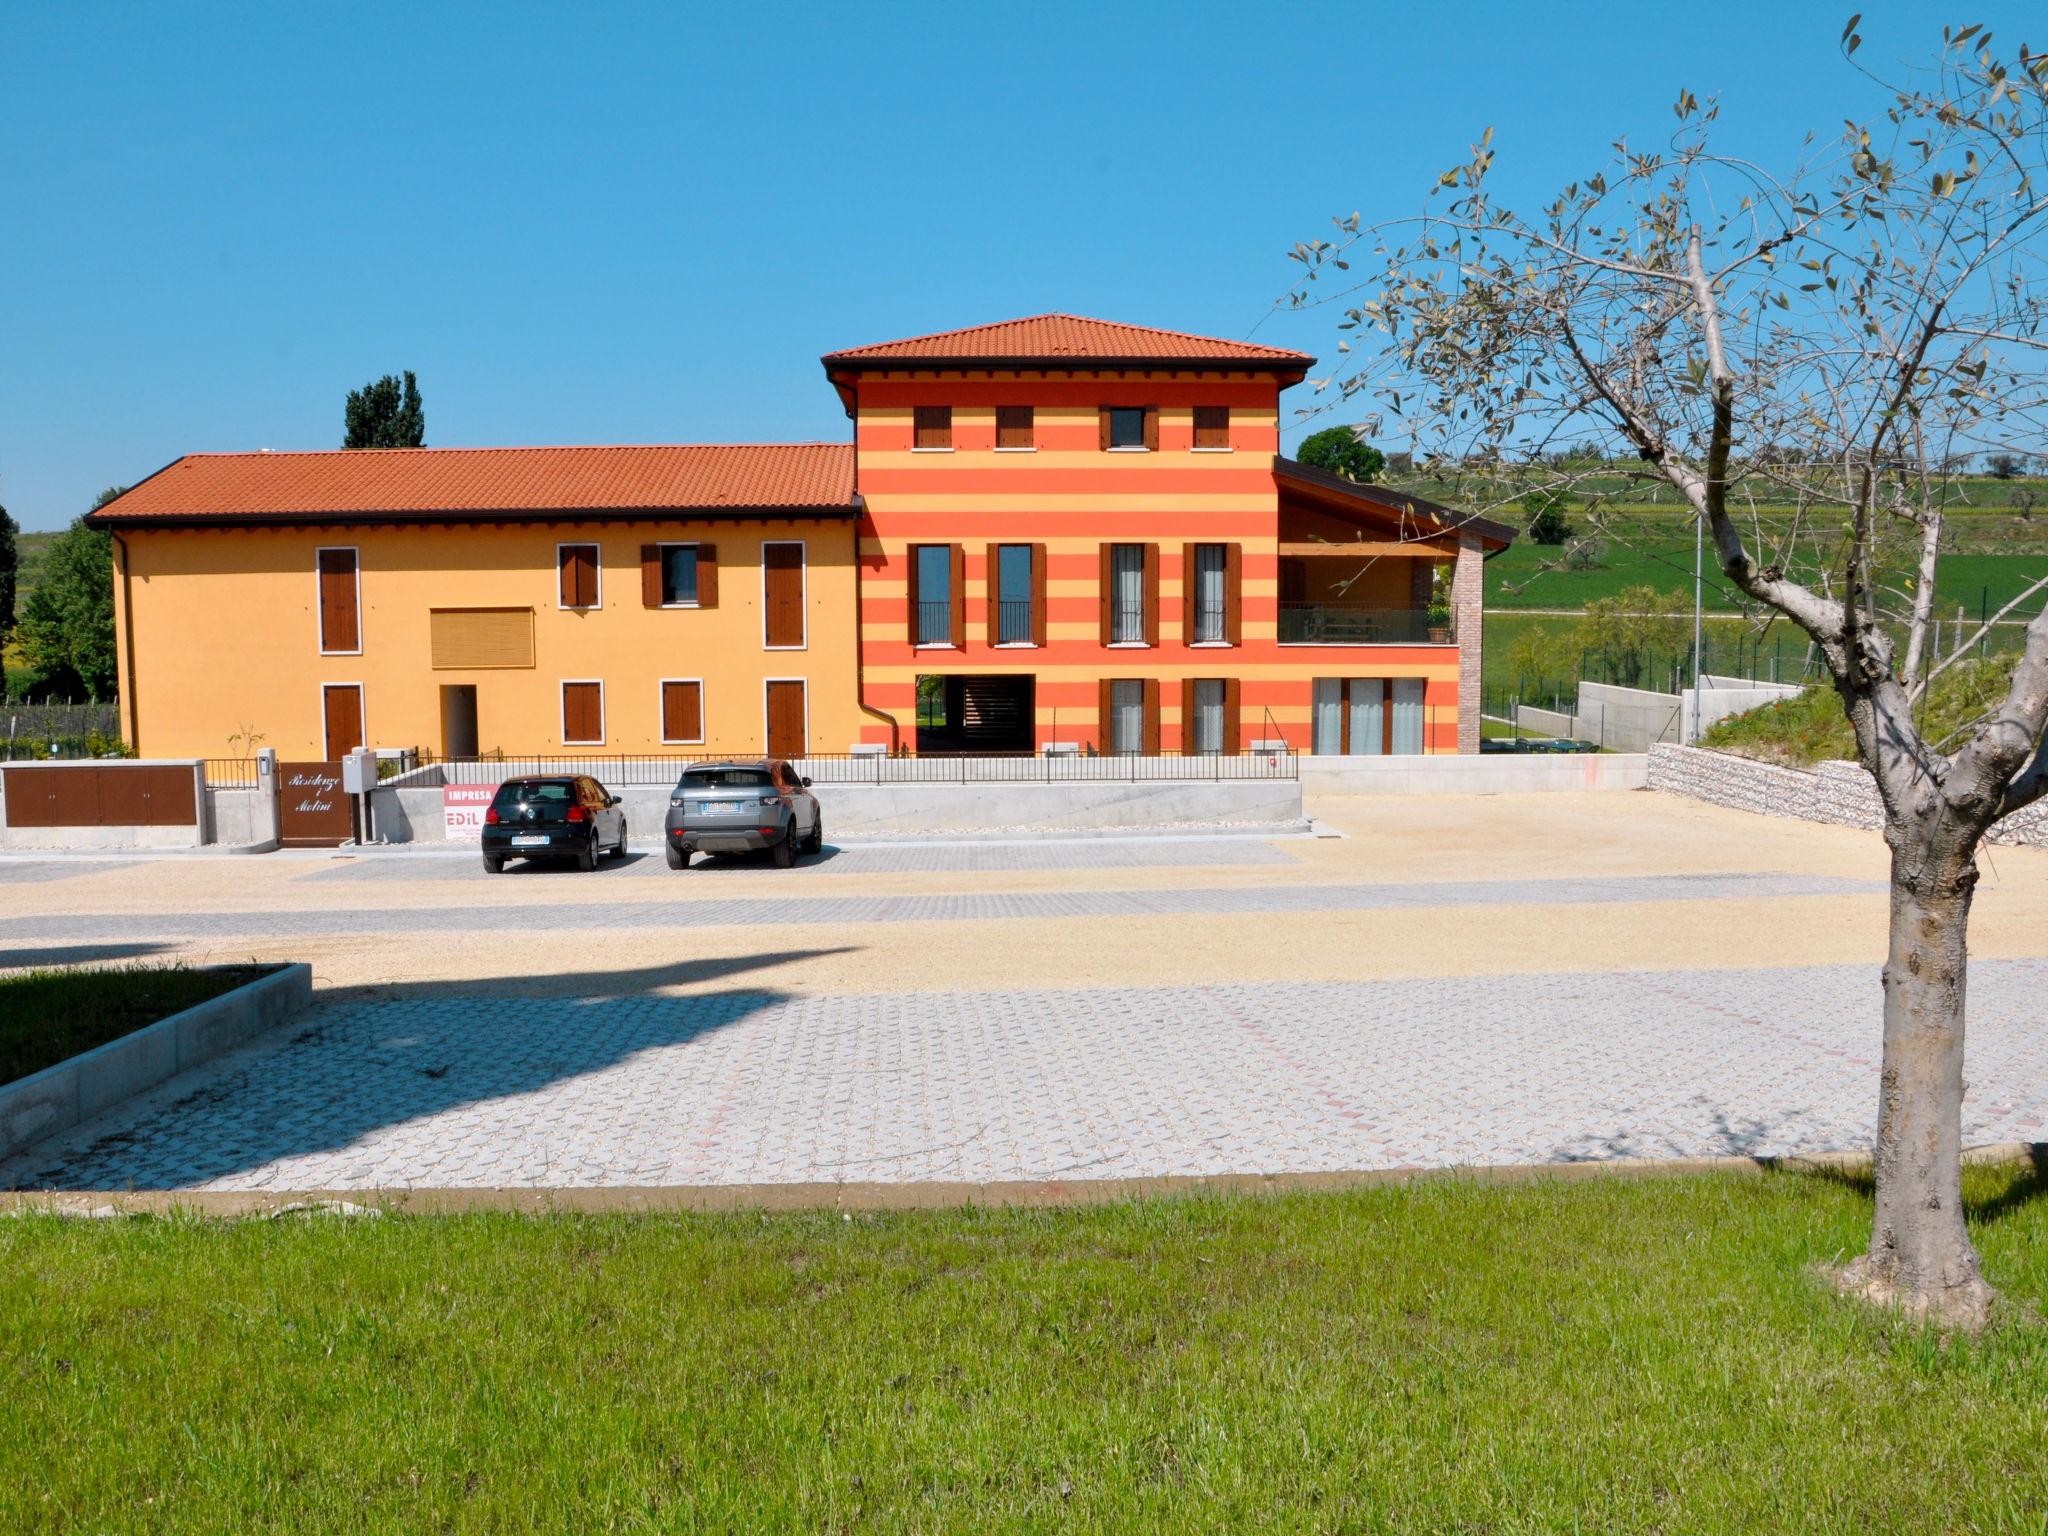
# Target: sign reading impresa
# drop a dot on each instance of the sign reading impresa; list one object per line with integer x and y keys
{"x": 462, "y": 810}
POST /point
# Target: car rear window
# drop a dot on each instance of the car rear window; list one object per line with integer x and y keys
{"x": 727, "y": 778}
{"x": 544, "y": 801}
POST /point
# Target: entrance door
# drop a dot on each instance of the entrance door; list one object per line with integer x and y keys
{"x": 342, "y": 705}
{"x": 787, "y": 734}
{"x": 458, "y": 720}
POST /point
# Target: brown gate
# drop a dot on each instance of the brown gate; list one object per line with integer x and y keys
{"x": 101, "y": 795}
{"x": 312, "y": 812}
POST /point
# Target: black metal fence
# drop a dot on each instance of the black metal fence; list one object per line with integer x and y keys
{"x": 621, "y": 770}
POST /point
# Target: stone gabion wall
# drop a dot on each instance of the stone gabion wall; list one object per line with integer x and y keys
{"x": 1839, "y": 794}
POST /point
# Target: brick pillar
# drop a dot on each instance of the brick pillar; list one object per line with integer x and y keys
{"x": 1468, "y": 608}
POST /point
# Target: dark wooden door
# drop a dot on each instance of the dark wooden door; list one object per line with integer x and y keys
{"x": 312, "y": 812}
{"x": 343, "y": 706}
{"x": 782, "y": 580}
{"x": 786, "y": 720}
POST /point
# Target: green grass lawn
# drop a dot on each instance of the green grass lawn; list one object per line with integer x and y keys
{"x": 1807, "y": 729}
{"x": 46, "y": 1016}
{"x": 1590, "y": 1355}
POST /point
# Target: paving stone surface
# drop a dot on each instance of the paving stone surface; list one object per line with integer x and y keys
{"x": 950, "y": 858}
{"x": 757, "y": 1086}
{"x": 975, "y": 906}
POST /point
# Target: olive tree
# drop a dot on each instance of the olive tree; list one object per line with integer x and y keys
{"x": 1804, "y": 354}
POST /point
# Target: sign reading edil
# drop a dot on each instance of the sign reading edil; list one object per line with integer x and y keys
{"x": 462, "y": 810}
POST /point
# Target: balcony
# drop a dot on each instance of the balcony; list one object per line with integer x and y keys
{"x": 935, "y": 623}
{"x": 1358, "y": 624}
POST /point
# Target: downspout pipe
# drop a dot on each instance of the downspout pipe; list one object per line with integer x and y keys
{"x": 128, "y": 644}
{"x": 860, "y": 630}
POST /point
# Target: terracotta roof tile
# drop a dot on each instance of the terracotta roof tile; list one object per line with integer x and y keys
{"x": 433, "y": 482}
{"x": 1064, "y": 337}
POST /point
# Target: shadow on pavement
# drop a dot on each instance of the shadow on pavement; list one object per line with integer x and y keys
{"x": 373, "y": 1058}
{"x": 75, "y": 954}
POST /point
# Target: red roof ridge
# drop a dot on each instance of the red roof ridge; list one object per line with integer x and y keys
{"x": 1113, "y": 338}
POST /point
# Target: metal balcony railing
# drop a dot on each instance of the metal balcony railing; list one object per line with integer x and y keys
{"x": 1355, "y": 624}
{"x": 935, "y": 623}
{"x": 1127, "y": 624}
{"x": 1013, "y": 623}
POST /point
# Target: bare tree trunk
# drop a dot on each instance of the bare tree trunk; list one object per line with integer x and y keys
{"x": 1921, "y": 1259}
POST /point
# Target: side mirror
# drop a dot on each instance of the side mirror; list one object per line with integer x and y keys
{"x": 805, "y": 782}
{"x": 611, "y": 800}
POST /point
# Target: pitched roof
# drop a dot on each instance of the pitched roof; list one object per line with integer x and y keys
{"x": 1067, "y": 338}
{"x": 1414, "y": 513}
{"x": 407, "y": 484}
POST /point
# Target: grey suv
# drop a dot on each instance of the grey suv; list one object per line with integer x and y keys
{"x": 739, "y": 807}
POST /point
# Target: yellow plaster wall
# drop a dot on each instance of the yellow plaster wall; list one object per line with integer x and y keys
{"x": 225, "y": 636}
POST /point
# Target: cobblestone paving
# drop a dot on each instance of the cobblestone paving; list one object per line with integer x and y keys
{"x": 752, "y": 1086}
{"x": 952, "y": 858}
{"x": 979, "y": 906}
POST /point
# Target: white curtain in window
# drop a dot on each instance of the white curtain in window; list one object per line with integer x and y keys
{"x": 1408, "y": 715}
{"x": 1326, "y": 730}
{"x": 1208, "y": 591}
{"x": 1368, "y": 725}
{"x": 1127, "y": 715}
{"x": 1128, "y": 567}
{"x": 1208, "y": 722}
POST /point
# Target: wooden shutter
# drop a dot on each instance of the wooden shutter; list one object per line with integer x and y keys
{"x": 1038, "y": 594}
{"x": 1105, "y": 712}
{"x": 786, "y": 730}
{"x": 707, "y": 575}
{"x": 934, "y": 426}
{"x": 995, "y": 594}
{"x": 1102, "y": 427}
{"x": 1187, "y": 716}
{"x": 1187, "y": 593}
{"x": 956, "y": 556}
{"x": 579, "y": 575}
{"x": 1233, "y": 736}
{"x": 342, "y": 705}
{"x": 1212, "y": 426}
{"x": 1108, "y": 578}
{"x": 1152, "y": 428}
{"x": 682, "y": 712}
{"x": 1013, "y": 426}
{"x": 1152, "y": 594}
{"x": 912, "y": 595}
{"x": 650, "y": 575}
{"x": 582, "y": 714}
{"x": 339, "y": 631}
{"x": 1151, "y": 744}
{"x": 1233, "y": 594}
{"x": 782, "y": 576}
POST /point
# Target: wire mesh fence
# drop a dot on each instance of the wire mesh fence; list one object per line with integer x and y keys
{"x": 60, "y": 731}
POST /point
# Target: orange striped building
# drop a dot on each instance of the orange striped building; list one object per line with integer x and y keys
{"x": 1051, "y": 533}
{"x": 1079, "y": 532}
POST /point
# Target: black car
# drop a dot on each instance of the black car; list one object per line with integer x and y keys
{"x": 554, "y": 816}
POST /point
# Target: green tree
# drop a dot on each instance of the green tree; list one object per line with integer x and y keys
{"x": 1627, "y": 632}
{"x": 386, "y": 414}
{"x": 10, "y": 568}
{"x": 1546, "y": 511}
{"x": 66, "y": 630}
{"x": 1341, "y": 451}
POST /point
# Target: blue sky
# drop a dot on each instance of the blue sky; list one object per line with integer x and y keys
{"x": 625, "y": 224}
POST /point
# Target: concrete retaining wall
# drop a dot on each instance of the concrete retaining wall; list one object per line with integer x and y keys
{"x": 243, "y": 818}
{"x": 1721, "y": 697}
{"x": 920, "y": 810}
{"x": 1626, "y": 719}
{"x": 1834, "y": 793}
{"x": 59, "y": 1097}
{"x": 1493, "y": 773}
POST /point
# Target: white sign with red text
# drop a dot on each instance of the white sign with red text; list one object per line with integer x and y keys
{"x": 462, "y": 810}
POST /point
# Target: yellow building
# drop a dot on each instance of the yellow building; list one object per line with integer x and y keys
{"x": 587, "y": 600}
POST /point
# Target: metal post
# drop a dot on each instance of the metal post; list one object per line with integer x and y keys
{"x": 1699, "y": 550}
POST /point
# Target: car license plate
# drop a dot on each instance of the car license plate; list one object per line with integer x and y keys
{"x": 530, "y": 840}
{"x": 721, "y": 807}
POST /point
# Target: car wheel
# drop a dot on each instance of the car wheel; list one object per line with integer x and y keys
{"x": 493, "y": 865}
{"x": 678, "y": 858}
{"x": 587, "y": 859}
{"x": 619, "y": 848}
{"x": 816, "y": 841}
{"x": 785, "y": 848}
